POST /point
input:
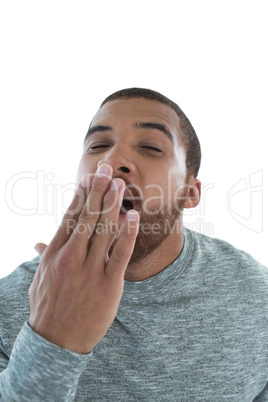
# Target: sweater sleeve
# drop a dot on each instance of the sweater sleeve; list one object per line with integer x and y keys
{"x": 39, "y": 370}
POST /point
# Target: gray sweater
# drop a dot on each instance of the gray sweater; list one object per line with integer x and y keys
{"x": 197, "y": 331}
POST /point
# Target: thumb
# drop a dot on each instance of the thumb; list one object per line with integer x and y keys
{"x": 40, "y": 248}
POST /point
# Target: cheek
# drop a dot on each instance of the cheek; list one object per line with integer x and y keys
{"x": 85, "y": 166}
{"x": 166, "y": 189}
{"x": 178, "y": 172}
{"x": 158, "y": 192}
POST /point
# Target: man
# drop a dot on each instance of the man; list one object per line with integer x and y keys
{"x": 165, "y": 314}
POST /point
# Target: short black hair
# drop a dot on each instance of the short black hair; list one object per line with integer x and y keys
{"x": 191, "y": 142}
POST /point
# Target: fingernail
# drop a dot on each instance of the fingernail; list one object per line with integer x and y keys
{"x": 115, "y": 184}
{"x": 132, "y": 215}
{"x": 103, "y": 170}
{"x": 85, "y": 182}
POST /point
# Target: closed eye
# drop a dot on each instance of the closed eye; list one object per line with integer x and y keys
{"x": 99, "y": 146}
{"x": 151, "y": 148}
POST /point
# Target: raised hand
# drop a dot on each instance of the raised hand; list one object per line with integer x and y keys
{"x": 77, "y": 288}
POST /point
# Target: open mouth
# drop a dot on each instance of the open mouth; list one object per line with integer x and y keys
{"x": 127, "y": 202}
{"x": 126, "y": 206}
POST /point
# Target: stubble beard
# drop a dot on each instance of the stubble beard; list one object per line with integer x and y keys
{"x": 155, "y": 227}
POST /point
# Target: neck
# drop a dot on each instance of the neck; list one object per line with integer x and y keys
{"x": 160, "y": 258}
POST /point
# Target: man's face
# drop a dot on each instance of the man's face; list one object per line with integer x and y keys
{"x": 140, "y": 139}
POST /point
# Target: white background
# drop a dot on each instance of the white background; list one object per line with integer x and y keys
{"x": 60, "y": 59}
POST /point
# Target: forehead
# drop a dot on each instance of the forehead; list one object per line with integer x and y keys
{"x": 129, "y": 111}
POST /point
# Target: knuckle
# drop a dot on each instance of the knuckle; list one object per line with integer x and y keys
{"x": 90, "y": 211}
{"x": 85, "y": 213}
{"x": 68, "y": 215}
{"x": 68, "y": 220}
{"x": 106, "y": 227}
{"x": 84, "y": 227}
{"x": 99, "y": 186}
{"x": 64, "y": 260}
{"x": 120, "y": 253}
{"x": 69, "y": 225}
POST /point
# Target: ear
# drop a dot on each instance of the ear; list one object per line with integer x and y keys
{"x": 194, "y": 193}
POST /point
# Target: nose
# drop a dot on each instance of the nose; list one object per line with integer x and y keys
{"x": 121, "y": 163}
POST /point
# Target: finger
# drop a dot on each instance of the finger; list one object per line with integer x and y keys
{"x": 123, "y": 248}
{"x": 92, "y": 208}
{"x": 72, "y": 214}
{"x": 40, "y": 248}
{"x": 107, "y": 226}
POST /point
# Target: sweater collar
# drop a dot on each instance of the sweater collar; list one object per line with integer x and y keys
{"x": 168, "y": 274}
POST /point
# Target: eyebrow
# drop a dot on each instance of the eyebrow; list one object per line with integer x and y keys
{"x": 98, "y": 128}
{"x": 156, "y": 126}
{"x": 141, "y": 125}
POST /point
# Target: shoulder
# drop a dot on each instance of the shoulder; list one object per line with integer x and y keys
{"x": 223, "y": 252}
{"x": 14, "y": 304}
{"x": 13, "y": 285}
{"x": 227, "y": 263}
